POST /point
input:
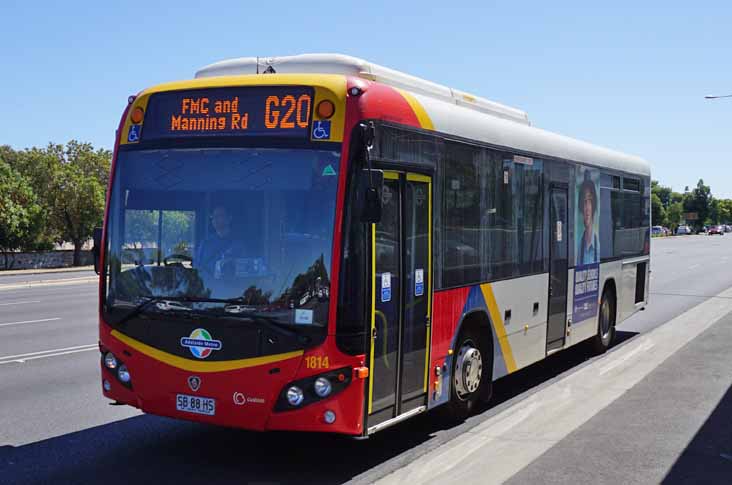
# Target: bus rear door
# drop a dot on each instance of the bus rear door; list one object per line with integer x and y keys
{"x": 558, "y": 264}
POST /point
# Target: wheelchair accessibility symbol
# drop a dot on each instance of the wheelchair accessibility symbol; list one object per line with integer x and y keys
{"x": 321, "y": 130}
{"x": 134, "y": 134}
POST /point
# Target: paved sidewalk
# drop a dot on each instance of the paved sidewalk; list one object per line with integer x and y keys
{"x": 674, "y": 426}
{"x": 18, "y": 272}
{"x": 626, "y": 417}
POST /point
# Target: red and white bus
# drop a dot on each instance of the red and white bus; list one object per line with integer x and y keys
{"x": 318, "y": 243}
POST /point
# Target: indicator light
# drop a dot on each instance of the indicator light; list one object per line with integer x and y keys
{"x": 326, "y": 109}
{"x": 137, "y": 115}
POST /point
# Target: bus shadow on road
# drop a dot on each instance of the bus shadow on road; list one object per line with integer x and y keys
{"x": 150, "y": 449}
{"x": 533, "y": 376}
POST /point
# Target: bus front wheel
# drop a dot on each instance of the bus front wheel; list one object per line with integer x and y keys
{"x": 471, "y": 374}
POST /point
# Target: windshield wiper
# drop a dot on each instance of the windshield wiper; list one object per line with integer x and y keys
{"x": 243, "y": 312}
{"x": 164, "y": 303}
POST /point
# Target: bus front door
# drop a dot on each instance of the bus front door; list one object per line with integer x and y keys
{"x": 401, "y": 298}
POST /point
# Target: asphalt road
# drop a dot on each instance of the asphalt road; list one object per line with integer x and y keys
{"x": 55, "y": 427}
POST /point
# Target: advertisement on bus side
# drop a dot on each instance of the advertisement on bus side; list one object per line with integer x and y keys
{"x": 587, "y": 243}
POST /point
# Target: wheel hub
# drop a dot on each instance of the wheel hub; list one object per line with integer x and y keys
{"x": 605, "y": 318}
{"x": 468, "y": 370}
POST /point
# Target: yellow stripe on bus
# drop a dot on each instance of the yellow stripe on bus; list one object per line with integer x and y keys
{"x": 419, "y": 111}
{"x": 194, "y": 366}
{"x": 500, "y": 329}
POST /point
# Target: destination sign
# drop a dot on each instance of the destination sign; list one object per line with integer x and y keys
{"x": 283, "y": 111}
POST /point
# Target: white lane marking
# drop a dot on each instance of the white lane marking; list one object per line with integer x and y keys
{"x": 20, "y": 358}
{"x": 30, "y": 321}
{"x": 500, "y": 447}
{"x": 693, "y": 266}
{"x": 19, "y": 302}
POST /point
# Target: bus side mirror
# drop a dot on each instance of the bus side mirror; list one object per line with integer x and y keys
{"x": 96, "y": 250}
{"x": 372, "y": 182}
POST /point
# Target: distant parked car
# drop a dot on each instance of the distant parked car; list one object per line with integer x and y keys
{"x": 682, "y": 230}
{"x": 716, "y": 230}
{"x": 657, "y": 231}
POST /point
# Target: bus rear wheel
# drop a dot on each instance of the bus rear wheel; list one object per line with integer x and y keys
{"x": 606, "y": 322}
{"x": 471, "y": 375}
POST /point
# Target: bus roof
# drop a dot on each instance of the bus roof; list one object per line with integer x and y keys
{"x": 451, "y": 111}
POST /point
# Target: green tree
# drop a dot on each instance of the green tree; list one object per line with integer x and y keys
{"x": 663, "y": 193}
{"x": 675, "y": 198}
{"x": 674, "y": 215}
{"x": 41, "y": 167}
{"x": 725, "y": 211}
{"x": 20, "y": 213}
{"x": 658, "y": 211}
{"x": 77, "y": 206}
{"x": 714, "y": 212}
{"x": 699, "y": 200}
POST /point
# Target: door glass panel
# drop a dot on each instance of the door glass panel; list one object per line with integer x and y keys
{"x": 416, "y": 223}
{"x": 388, "y": 282}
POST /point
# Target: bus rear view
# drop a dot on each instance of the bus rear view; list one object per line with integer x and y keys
{"x": 218, "y": 257}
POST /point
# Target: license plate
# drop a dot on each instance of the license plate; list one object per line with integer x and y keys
{"x": 195, "y": 404}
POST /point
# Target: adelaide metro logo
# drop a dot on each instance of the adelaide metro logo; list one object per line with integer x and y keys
{"x": 201, "y": 343}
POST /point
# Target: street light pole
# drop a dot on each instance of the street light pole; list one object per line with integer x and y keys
{"x": 709, "y": 96}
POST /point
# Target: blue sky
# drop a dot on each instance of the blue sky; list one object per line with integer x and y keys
{"x": 627, "y": 75}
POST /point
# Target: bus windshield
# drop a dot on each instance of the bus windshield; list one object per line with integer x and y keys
{"x": 251, "y": 225}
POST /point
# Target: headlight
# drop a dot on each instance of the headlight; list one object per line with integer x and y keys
{"x": 322, "y": 387}
{"x": 295, "y": 396}
{"x": 110, "y": 361}
{"x": 123, "y": 374}
{"x": 308, "y": 390}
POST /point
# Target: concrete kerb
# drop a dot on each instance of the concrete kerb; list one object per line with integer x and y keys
{"x": 35, "y": 271}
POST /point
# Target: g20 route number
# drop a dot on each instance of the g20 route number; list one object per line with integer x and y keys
{"x": 285, "y": 112}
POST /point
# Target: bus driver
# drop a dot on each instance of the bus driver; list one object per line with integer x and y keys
{"x": 220, "y": 247}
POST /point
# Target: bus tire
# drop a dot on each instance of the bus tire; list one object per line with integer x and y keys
{"x": 471, "y": 379}
{"x": 605, "y": 322}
